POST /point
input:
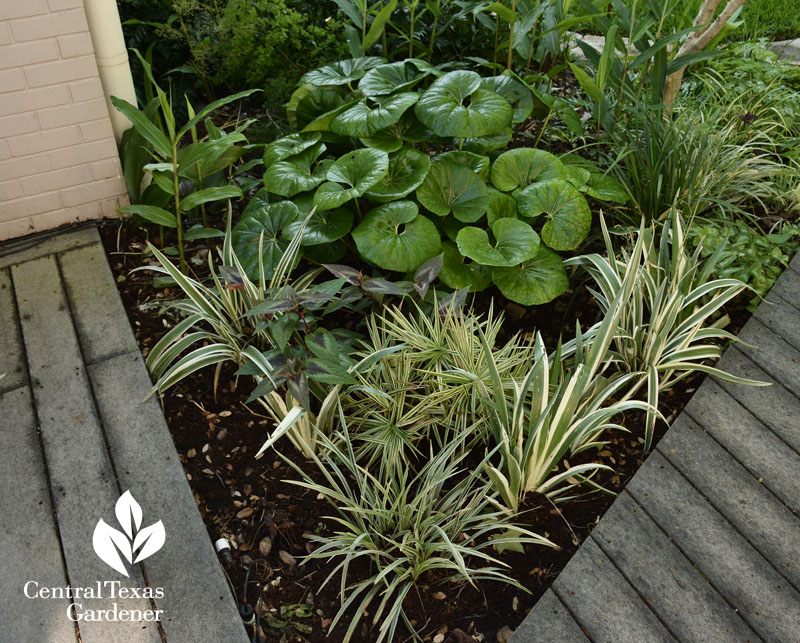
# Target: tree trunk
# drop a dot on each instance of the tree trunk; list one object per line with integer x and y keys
{"x": 697, "y": 41}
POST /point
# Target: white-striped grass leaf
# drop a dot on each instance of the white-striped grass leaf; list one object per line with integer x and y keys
{"x": 551, "y": 484}
{"x": 194, "y": 361}
{"x": 170, "y": 336}
{"x": 202, "y": 297}
{"x": 292, "y": 417}
{"x": 175, "y": 349}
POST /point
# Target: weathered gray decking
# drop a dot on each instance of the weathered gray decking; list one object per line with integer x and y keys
{"x": 74, "y": 435}
{"x": 704, "y": 544}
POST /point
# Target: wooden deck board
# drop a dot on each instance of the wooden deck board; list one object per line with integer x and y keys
{"x": 561, "y": 627}
{"x": 603, "y": 602}
{"x": 747, "y": 504}
{"x": 81, "y": 473}
{"x": 768, "y": 458}
{"x": 672, "y": 586}
{"x": 744, "y": 578}
{"x": 775, "y": 406}
{"x": 772, "y": 353}
{"x": 29, "y": 556}
{"x": 12, "y": 361}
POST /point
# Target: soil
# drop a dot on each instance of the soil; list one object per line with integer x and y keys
{"x": 247, "y": 500}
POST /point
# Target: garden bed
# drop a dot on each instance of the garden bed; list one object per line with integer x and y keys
{"x": 248, "y": 500}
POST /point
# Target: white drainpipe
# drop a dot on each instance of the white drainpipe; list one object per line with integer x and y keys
{"x": 112, "y": 57}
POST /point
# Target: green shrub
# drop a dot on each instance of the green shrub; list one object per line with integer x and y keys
{"x": 269, "y": 44}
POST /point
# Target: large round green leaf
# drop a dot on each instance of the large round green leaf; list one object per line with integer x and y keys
{"x": 395, "y": 236}
{"x": 514, "y": 242}
{"x": 262, "y": 228}
{"x": 350, "y": 176}
{"x": 455, "y": 106}
{"x": 568, "y": 216}
{"x": 458, "y": 273}
{"x": 450, "y": 187}
{"x": 364, "y": 120}
{"x": 522, "y": 166}
{"x": 309, "y": 102}
{"x": 407, "y": 130}
{"x": 578, "y": 177}
{"x": 484, "y": 144}
{"x": 519, "y": 97}
{"x": 407, "y": 170}
{"x": 535, "y": 281}
{"x": 288, "y": 146}
{"x": 342, "y": 72}
{"x": 501, "y": 206}
{"x": 605, "y": 188}
{"x": 324, "y": 226}
{"x": 476, "y": 162}
{"x": 388, "y": 79}
{"x": 296, "y": 174}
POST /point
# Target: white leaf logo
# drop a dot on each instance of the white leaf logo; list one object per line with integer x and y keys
{"x": 129, "y": 513}
{"x": 112, "y": 545}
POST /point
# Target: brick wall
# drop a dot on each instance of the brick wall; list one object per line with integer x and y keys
{"x": 58, "y": 157}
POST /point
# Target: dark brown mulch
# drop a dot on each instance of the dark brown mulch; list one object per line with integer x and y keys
{"x": 248, "y": 500}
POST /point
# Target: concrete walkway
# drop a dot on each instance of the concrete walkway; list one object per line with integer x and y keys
{"x": 704, "y": 543}
{"x": 74, "y": 436}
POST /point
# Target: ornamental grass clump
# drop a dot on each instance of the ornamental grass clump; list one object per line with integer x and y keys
{"x": 436, "y": 524}
{"x": 673, "y": 313}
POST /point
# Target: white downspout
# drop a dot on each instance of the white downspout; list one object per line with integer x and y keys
{"x": 112, "y": 58}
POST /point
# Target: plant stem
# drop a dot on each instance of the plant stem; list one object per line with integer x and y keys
{"x": 177, "y": 194}
{"x": 496, "y": 36}
{"x": 511, "y": 35}
{"x": 531, "y": 48}
{"x": 411, "y": 32}
{"x": 433, "y": 31}
{"x": 541, "y": 130}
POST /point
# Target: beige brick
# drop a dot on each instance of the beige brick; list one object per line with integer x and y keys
{"x": 11, "y": 80}
{"x": 25, "y": 166}
{"x": 58, "y": 72}
{"x": 22, "y": 8}
{"x": 84, "y": 153}
{"x": 28, "y": 53}
{"x": 93, "y": 191}
{"x": 33, "y": 99}
{"x": 87, "y": 89}
{"x": 72, "y": 114}
{"x": 110, "y": 207}
{"x": 100, "y": 208}
{"x": 10, "y": 190}
{"x": 96, "y": 130}
{"x": 43, "y": 141}
{"x": 56, "y": 180}
{"x": 5, "y": 34}
{"x": 29, "y": 205}
{"x": 52, "y": 220}
{"x": 17, "y": 124}
{"x": 15, "y": 228}
{"x": 106, "y": 168}
{"x": 5, "y": 151}
{"x": 61, "y": 5}
{"x": 49, "y": 25}
{"x": 77, "y": 44}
